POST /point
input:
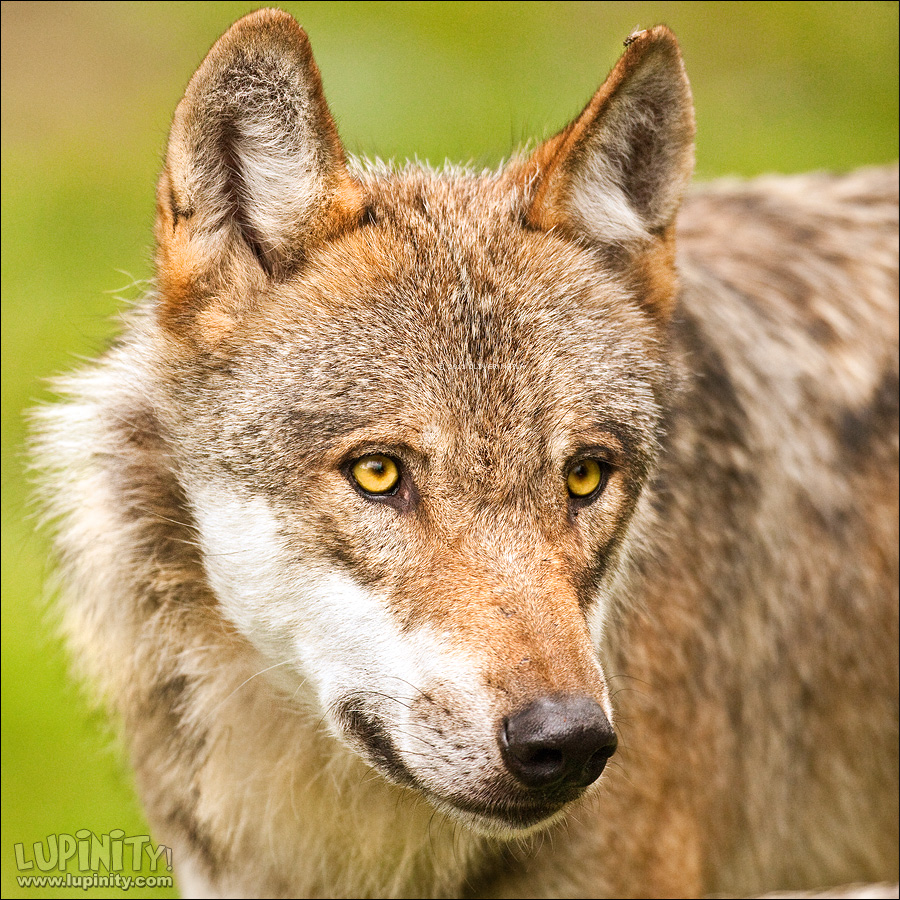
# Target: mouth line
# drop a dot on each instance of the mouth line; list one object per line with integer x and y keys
{"x": 495, "y": 820}
{"x": 493, "y": 816}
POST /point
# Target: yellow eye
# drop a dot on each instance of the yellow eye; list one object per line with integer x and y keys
{"x": 585, "y": 477}
{"x": 375, "y": 473}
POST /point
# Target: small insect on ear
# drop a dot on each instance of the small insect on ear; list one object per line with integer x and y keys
{"x": 255, "y": 172}
{"x": 616, "y": 175}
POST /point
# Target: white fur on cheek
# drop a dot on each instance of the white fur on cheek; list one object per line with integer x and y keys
{"x": 336, "y": 634}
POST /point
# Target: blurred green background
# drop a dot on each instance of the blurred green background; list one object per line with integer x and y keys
{"x": 88, "y": 89}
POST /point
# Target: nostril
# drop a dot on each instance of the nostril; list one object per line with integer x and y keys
{"x": 544, "y": 756}
{"x": 598, "y": 760}
{"x": 532, "y": 761}
{"x": 564, "y": 741}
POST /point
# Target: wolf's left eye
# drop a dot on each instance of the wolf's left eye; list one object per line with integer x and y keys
{"x": 586, "y": 478}
{"x": 376, "y": 473}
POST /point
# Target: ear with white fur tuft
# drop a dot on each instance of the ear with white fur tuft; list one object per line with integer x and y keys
{"x": 255, "y": 174}
{"x": 616, "y": 175}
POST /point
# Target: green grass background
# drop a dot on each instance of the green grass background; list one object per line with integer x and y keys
{"x": 88, "y": 89}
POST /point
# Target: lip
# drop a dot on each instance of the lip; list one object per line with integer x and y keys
{"x": 523, "y": 817}
{"x": 510, "y": 816}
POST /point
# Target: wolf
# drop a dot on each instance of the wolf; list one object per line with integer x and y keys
{"x": 516, "y": 533}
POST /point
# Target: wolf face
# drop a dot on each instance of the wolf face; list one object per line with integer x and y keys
{"x": 458, "y": 336}
{"x": 426, "y": 615}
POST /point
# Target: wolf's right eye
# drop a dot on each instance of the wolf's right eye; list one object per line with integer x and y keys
{"x": 376, "y": 474}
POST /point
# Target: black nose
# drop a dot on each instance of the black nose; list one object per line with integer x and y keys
{"x": 557, "y": 741}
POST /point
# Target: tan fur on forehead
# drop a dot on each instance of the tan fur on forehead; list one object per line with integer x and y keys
{"x": 450, "y": 242}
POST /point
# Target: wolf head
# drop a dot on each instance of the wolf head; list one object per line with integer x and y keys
{"x": 412, "y": 412}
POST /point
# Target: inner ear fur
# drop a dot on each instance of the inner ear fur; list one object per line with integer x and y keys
{"x": 255, "y": 174}
{"x": 616, "y": 175}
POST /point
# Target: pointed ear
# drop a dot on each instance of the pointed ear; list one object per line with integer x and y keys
{"x": 616, "y": 175}
{"x": 255, "y": 174}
